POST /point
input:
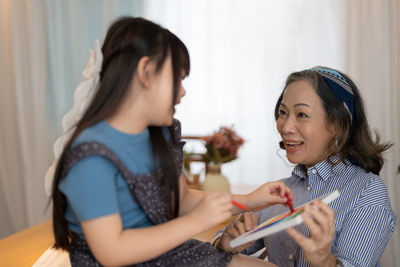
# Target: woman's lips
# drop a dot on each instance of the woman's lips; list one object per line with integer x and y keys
{"x": 293, "y": 146}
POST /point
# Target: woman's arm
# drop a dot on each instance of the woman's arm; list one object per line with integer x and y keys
{"x": 113, "y": 245}
{"x": 320, "y": 220}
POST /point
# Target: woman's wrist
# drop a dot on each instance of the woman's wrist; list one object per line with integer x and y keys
{"x": 216, "y": 243}
{"x": 330, "y": 261}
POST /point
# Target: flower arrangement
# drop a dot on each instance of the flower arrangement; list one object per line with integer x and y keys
{"x": 222, "y": 146}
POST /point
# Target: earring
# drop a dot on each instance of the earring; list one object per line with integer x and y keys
{"x": 336, "y": 143}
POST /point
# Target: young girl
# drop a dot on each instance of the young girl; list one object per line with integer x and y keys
{"x": 118, "y": 198}
{"x": 324, "y": 129}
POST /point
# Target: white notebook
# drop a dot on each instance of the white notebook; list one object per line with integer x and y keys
{"x": 54, "y": 258}
{"x": 278, "y": 223}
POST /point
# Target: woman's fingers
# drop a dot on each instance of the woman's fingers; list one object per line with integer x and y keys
{"x": 315, "y": 229}
{"x": 254, "y": 218}
{"x": 246, "y": 222}
{"x": 320, "y": 219}
{"x": 232, "y": 231}
{"x": 323, "y": 216}
{"x": 240, "y": 227}
{"x": 300, "y": 239}
{"x": 324, "y": 208}
{"x": 250, "y": 220}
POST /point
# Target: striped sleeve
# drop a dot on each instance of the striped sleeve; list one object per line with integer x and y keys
{"x": 257, "y": 246}
{"x": 367, "y": 228}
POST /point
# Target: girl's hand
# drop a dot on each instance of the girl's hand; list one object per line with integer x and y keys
{"x": 320, "y": 220}
{"x": 245, "y": 223}
{"x": 212, "y": 209}
{"x": 268, "y": 194}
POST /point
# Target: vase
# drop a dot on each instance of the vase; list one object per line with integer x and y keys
{"x": 215, "y": 181}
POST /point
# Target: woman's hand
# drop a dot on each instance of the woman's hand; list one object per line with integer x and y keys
{"x": 212, "y": 209}
{"x": 246, "y": 222}
{"x": 268, "y": 194}
{"x": 320, "y": 220}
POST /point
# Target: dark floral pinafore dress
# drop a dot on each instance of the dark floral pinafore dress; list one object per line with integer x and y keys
{"x": 147, "y": 190}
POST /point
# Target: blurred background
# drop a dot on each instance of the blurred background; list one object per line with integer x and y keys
{"x": 241, "y": 53}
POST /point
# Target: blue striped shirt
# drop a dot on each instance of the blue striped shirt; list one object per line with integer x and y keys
{"x": 364, "y": 219}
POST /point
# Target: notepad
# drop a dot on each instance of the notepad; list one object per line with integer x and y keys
{"x": 279, "y": 223}
{"x": 53, "y": 257}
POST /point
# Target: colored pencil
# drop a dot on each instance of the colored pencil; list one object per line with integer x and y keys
{"x": 289, "y": 202}
{"x": 239, "y": 205}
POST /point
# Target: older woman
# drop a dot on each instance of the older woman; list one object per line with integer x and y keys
{"x": 321, "y": 119}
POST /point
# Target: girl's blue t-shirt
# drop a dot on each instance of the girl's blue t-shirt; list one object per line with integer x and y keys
{"x": 94, "y": 187}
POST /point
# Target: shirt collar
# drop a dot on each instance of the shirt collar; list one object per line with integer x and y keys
{"x": 324, "y": 169}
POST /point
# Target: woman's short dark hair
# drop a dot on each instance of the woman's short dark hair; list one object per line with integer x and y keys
{"x": 353, "y": 139}
{"x": 127, "y": 41}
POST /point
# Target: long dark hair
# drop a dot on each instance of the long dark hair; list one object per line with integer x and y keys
{"x": 354, "y": 140}
{"x": 127, "y": 41}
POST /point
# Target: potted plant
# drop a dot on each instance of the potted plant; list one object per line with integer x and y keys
{"x": 222, "y": 147}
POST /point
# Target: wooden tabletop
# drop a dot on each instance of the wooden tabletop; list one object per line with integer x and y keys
{"x": 24, "y": 248}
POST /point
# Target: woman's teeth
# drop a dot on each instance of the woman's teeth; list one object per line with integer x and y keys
{"x": 294, "y": 144}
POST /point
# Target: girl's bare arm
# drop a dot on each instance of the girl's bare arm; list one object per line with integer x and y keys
{"x": 113, "y": 245}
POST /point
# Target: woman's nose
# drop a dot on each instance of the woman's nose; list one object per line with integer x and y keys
{"x": 182, "y": 91}
{"x": 288, "y": 125}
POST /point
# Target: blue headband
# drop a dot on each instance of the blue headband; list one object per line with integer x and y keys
{"x": 340, "y": 87}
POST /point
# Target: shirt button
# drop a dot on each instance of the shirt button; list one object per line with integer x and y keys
{"x": 290, "y": 257}
{"x": 308, "y": 188}
{"x": 314, "y": 171}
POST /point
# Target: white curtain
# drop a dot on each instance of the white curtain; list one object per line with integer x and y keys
{"x": 23, "y": 140}
{"x": 373, "y": 60}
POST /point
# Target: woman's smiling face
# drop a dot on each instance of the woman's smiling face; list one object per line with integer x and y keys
{"x": 302, "y": 124}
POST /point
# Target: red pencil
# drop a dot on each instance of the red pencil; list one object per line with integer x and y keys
{"x": 289, "y": 202}
{"x": 239, "y": 205}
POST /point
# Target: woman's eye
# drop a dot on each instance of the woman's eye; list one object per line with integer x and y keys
{"x": 302, "y": 115}
{"x": 282, "y": 113}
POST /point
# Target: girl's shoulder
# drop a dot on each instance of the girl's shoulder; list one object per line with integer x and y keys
{"x": 95, "y": 133}
{"x": 102, "y": 131}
